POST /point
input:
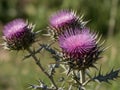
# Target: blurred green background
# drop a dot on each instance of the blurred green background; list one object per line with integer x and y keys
{"x": 103, "y": 16}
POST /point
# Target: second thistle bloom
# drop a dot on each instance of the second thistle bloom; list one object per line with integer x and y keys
{"x": 18, "y": 35}
{"x": 80, "y": 47}
{"x": 64, "y": 19}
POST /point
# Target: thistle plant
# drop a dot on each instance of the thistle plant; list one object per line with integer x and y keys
{"x": 79, "y": 49}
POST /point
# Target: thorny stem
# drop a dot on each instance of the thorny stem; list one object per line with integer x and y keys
{"x": 39, "y": 49}
{"x": 40, "y": 66}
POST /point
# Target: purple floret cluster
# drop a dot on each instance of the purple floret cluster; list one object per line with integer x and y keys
{"x": 62, "y": 19}
{"x": 76, "y": 43}
{"x": 18, "y": 35}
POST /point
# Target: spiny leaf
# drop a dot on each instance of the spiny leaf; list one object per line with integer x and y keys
{"x": 56, "y": 55}
{"x": 108, "y": 76}
{"x": 40, "y": 86}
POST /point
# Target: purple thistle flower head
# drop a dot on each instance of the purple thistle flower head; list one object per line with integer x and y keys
{"x": 18, "y": 35}
{"x": 80, "y": 48}
{"x": 14, "y": 27}
{"x": 63, "y": 18}
{"x": 77, "y": 43}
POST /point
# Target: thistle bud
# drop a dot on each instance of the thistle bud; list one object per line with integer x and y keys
{"x": 18, "y": 35}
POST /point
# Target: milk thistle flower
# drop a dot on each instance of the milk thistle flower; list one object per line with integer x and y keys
{"x": 64, "y": 19}
{"x": 79, "y": 47}
{"x": 18, "y": 35}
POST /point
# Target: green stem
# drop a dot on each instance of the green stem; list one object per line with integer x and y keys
{"x": 41, "y": 67}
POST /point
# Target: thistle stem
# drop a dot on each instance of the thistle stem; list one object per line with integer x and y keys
{"x": 41, "y": 67}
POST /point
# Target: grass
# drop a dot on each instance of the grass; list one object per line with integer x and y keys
{"x": 16, "y": 74}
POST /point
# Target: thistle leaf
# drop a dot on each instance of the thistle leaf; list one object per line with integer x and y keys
{"x": 56, "y": 55}
{"x": 108, "y": 76}
{"x": 40, "y": 86}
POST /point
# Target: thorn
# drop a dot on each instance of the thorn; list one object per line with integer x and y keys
{"x": 102, "y": 43}
{"x": 38, "y": 31}
{"x": 107, "y": 47}
{"x": 69, "y": 70}
{"x": 94, "y": 67}
{"x": 46, "y": 34}
{"x": 99, "y": 39}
